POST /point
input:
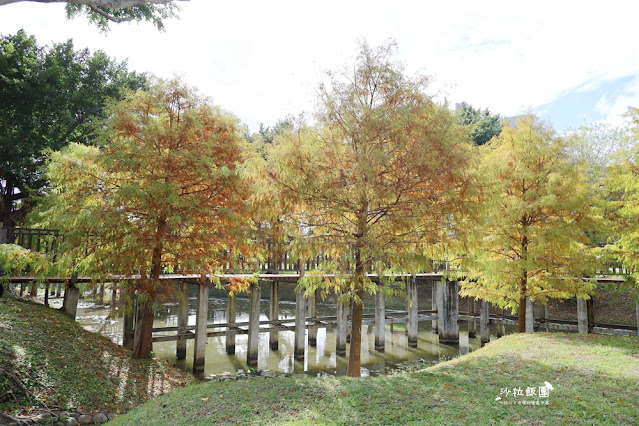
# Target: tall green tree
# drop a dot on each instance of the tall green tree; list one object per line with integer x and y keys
{"x": 482, "y": 125}
{"x": 376, "y": 181}
{"x": 49, "y": 97}
{"x": 162, "y": 192}
{"x": 537, "y": 220}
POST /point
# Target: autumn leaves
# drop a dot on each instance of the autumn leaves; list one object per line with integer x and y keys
{"x": 384, "y": 178}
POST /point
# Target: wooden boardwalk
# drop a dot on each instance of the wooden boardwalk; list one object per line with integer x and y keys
{"x": 444, "y": 314}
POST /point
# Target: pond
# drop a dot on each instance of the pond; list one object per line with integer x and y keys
{"x": 318, "y": 361}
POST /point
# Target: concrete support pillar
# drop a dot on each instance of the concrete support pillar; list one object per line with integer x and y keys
{"x": 114, "y": 294}
{"x": 312, "y": 313}
{"x": 274, "y": 314}
{"x": 484, "y": 316}
{"x": 183, "y": 321}
{"x": 58, "y": 291}
{"x": 448, "y": 311}
{"x": 380, "y": 321}
{"x": 201, "y": 317}
{"x": 412, "y": 324}
{"x": 129, "y": 325}
{"x": 543, "y": 318}
{"x": 254, "y": 325}
{"x": 582, "y": 316}
{"x": 471, "y": 323}
{"x": 340, "y": 330}
{"x": 530, "y": 316}
{"x": 300, "y": 325}
{"x": 590, "y": 306}
{"x": 230, "y": 319}
{"x": 300, "y": 319}
{"x": 546, "y": 316}
{"x": 434, "y": 306}
{"x": 501, "y": 328}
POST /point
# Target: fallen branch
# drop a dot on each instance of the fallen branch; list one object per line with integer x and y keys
{"x": 13, "y": 419}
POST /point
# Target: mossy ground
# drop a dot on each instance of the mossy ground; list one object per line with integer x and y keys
{"x": 64, "y": 365}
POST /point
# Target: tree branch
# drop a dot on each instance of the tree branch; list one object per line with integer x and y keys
{"x": 111, "y": 4}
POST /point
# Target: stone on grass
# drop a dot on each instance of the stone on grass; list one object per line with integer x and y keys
{"x": 85, "y": 419}
{"x": 43, "y": 418}
{"x": 71, "y": 421}
{"x": 100, "y": 418}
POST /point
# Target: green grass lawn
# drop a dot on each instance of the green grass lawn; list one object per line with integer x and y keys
{"x": 66, "y": 366}
{"x": 595, "y": 381}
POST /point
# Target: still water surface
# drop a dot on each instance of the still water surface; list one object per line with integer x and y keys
{"x": 319, "y": 360}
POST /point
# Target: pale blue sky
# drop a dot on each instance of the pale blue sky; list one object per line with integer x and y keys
{"x": 570, "y": 61}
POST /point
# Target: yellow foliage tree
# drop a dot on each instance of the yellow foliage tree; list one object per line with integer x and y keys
{"x": 533, "y": 238}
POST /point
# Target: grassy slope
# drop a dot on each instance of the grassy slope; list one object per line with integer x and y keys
{"x": 67, "y": 366}
{"x": 596, "y": 380}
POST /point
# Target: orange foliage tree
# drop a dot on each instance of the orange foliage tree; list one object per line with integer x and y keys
{"x": 376, "y": 181}
{"x": 160, "y": 193}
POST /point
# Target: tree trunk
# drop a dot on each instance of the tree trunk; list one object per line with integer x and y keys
{"x": 521, "y": 318}
{"x": 46, "y": 294}
{"x": 143, "y": 340}
{"x": 523, "y": 285}
{"x": 354, "y": 355}
{"x": 34, "y": 290}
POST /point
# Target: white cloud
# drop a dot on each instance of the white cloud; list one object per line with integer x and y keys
{"x": 262, "y": 60}
{"x": 614, "y": 108}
